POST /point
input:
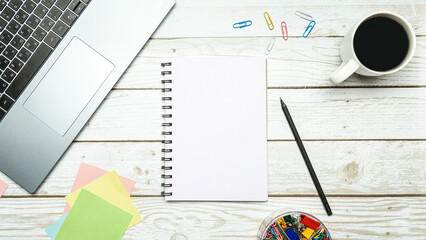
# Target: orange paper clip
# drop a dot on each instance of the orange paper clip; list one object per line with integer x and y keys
{"x": 268, "y": 21}
{"x": 284, "y": 30}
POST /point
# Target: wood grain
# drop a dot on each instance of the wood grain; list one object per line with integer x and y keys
{"x": 193, "y": 18}
{"x": 354, "y": 218}
{"x": 344, "y": 113}
{"x": 366, "y": 137}
{"x": 296, "y": 63}
{"x": 383, "y": 113}
{"x": 345, "y": 168}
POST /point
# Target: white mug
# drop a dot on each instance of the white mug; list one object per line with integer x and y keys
{"x": 351, "y": 63}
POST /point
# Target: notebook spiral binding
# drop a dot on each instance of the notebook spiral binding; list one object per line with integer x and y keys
{"x": 167, "y": 129}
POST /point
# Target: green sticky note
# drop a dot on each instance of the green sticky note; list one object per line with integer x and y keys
{"x": 93, "y": 218}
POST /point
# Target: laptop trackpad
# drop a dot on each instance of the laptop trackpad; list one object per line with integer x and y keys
{"x": 69, "y": 86}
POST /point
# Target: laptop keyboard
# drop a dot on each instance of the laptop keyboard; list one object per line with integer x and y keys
{"x": 29, "y": 31}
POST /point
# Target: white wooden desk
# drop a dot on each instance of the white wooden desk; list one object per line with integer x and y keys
{"x": 366, "y": 138}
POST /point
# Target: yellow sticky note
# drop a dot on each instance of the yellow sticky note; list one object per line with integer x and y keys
{"x": 308, "y": 232}
{"x": 111, "y": 189}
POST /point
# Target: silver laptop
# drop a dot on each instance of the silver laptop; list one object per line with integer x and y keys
{"x": 58, "y": 61}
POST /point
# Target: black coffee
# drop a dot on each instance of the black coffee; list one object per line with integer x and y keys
{"x": 380, "y": 43}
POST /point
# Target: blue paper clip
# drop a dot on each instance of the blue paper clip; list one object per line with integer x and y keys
{"x": 309, "y": 28}
{"x": 242, "y": 24}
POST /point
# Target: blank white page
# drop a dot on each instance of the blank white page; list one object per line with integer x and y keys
{"x": 219, "y": 130}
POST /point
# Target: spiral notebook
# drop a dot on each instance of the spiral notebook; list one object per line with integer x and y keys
{"x": 215, "y": 129}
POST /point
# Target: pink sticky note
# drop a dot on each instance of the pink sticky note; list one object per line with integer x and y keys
{"x": 88, "y": 173}
{"x": 3, "y": 187}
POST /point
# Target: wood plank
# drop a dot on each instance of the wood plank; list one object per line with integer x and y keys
{"x": 365, "y": 113}
{"x": 348, "y": 168}
{"x": 275, "y": 3}
{"x": 192, "y": 18}
{"x": 343, "y": 167}
{"x": 354, "y": 218}
{"x": 138, "y": 161}
{"x": 343, "y": 113}
{"x": 293, "y": 63}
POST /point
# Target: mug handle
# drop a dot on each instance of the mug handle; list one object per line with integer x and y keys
{"x": 344, "y": 71}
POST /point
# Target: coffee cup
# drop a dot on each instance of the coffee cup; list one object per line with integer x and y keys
{"x": 379, "y": 44}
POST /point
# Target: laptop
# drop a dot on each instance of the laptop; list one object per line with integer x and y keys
{"x": 58, "y": 61}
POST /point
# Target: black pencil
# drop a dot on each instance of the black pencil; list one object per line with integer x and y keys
{"x": 306, "y": 158}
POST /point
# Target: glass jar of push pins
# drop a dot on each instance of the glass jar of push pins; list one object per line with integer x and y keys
{"x": 282, "y": 225}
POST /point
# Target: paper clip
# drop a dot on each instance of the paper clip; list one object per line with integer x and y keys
{"x": 268, "y": 21}
{"x": 305, "y": 16}
{"x": 309, "y": 29}
{"x": 242, "y": 24}
{"x": 284, "y": 30}
{"x": 270, "y": 46}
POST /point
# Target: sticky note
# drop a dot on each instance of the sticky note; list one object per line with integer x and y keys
{"x": 91, "y": 217}
{"x": 53, "y": 229}
{"x": 308, "y": 232}
{"x": 88, "y": 173}
{"x": 3, "y": 187}
{"x": 110, "y": 188}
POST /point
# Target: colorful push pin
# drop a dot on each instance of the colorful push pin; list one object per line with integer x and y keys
{"x": 308, "y": 232}
{"x": 289, "y": 219}
{"x": 291, "y": 234}
{"x": 309, "y": 222}
{"x": 282, "y": 223}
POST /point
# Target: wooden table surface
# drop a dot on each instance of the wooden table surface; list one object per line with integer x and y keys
{"x": 366, "y": 137}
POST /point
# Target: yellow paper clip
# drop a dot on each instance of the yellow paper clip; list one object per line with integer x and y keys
{"x": 268, "y": 21}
